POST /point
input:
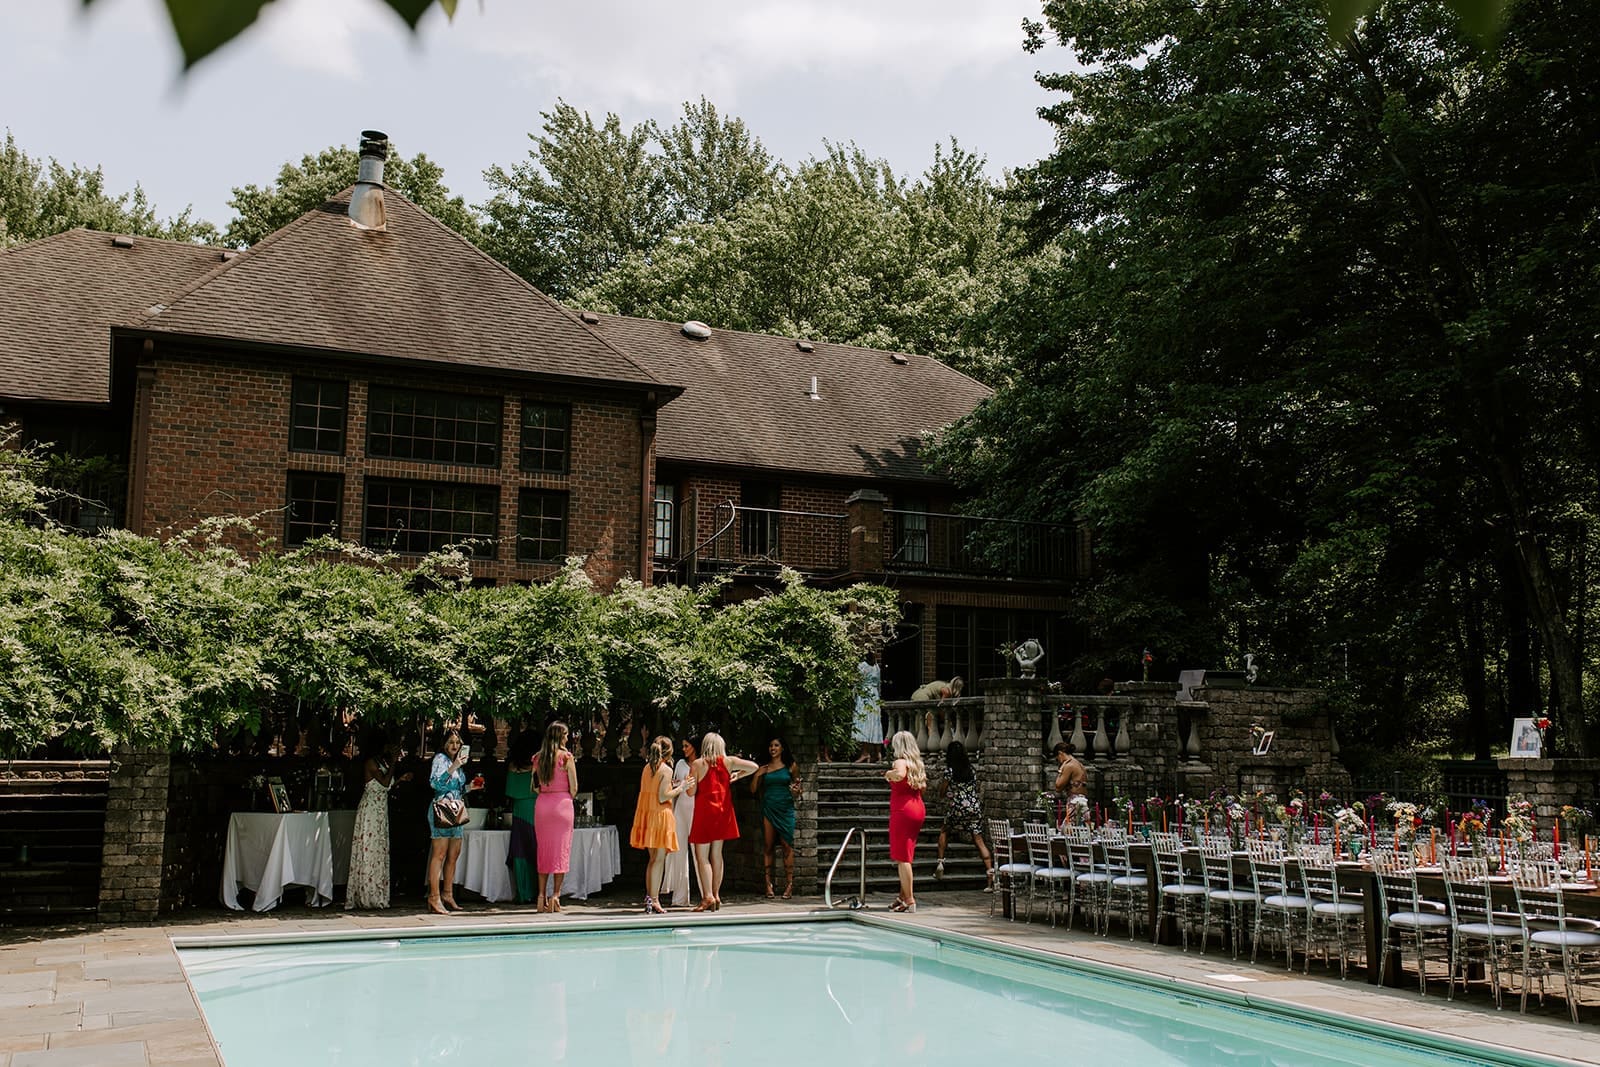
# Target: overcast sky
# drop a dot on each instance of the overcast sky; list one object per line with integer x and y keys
{"x": 895, "y": 76}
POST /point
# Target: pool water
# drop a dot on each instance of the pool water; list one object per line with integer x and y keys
{"x": 829, "y": 993}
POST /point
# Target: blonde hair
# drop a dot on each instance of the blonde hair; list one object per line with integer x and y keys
{"x": 903, "y": 746}
{"x": 712, "y": 747}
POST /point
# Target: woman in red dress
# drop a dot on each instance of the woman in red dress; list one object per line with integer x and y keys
{"x": 907, "y": 779}
{"x": 714, "y": 821}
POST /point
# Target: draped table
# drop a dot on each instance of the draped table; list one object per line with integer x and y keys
{"x": 266, "y": 852}
{"x": 596, "y": 860}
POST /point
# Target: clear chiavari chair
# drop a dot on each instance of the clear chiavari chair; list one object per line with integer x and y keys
{"x": 1550, "y": 937}
{"x": 1334, "y": 919}
{"x": 1049, "y": 880}
{"x": 1129, "y": 883}
{"x": 1091, "y": 882}
{"x": 1478, "y": 933}
{"x": 1280, "y": 906}
{"x": 1409, "y": 923}
{"x": 1183, "y": 892}
{"x": 1010, "y": 873}
{"x": 1232, "y": 898}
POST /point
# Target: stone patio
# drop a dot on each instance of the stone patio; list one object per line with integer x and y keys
{"x": 105, "y": 996}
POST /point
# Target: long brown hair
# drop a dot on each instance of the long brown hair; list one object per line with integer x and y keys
{"x": 554, "y": 737}
{"x": 660, "y": 752}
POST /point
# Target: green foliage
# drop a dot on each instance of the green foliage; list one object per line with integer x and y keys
{"x": 1309, "y": 342}
{"x": 310, "y": 183}
{"x": 118, "y": 639}
{"x": 42, "y": 197}
{"x": 840, "y": 249}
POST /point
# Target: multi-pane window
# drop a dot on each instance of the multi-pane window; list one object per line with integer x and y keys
{"x": 315, "y": 506}
{"x": 546, "y": 437}
{"x": 665, "y": 517}
{"x": 970, "y": 641}
{"x": 541, "y": 526}
{"x": 911, "y": 531}
{"x": 758, "y": 529}
{"x": 434, "y": 427}
{"x": 316, "y": 415}
{"x": 424, "y": 516}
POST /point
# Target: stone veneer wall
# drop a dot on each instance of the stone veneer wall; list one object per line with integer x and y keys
{"x": 1550, "y": 783}
{"x": 136, "y": 823}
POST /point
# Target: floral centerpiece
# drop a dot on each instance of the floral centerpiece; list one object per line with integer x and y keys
{"x": 1350, "y": 824}
{"x": 1519, "y": 823}
{"x": 1579, "y": 823}
{"x": 1474, "y": 830}
{"x": 1407, "y": 819}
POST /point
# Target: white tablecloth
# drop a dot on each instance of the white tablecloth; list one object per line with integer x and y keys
{"x": 266, "y": 852}
{"x": 596, "y": 860}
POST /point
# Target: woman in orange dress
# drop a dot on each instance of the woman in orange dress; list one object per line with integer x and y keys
{"x": 655, "y": 827}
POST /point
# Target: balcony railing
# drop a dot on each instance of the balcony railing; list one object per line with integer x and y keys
{"x": 761, "y": 540}
{"x": 932, "y": 543}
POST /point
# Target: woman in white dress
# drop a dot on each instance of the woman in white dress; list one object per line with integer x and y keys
{"x": 679, "y": 862}
{"x": 368, "y": 886}
{"x": 868, "y": 730}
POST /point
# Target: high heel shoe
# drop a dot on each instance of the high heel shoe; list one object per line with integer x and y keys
{"x": 788, "y": 889}
{"x": 452, "y": 905}
{"x": 902, "y": 907}
{"x": 435, "y": 907}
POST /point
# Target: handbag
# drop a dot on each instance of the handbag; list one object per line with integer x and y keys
{"x": 449, "y": 812}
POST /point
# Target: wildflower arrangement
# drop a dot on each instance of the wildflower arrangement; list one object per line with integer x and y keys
{"x": 1579, "y": 821}
{"x": 1473, "y": 829}
{"x": 1351, "y": 821}
{"x": 1077, "y": 811}
{"x": 1407, "y": 820}
{"x": 1519, "y": 821}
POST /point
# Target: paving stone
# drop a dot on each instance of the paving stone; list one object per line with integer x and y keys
{"x": 118, "y": 1054}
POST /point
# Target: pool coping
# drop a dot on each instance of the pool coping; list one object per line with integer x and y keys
{"x": 1390, "y": 1031}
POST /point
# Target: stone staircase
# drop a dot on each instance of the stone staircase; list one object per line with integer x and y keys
{"x": 855, "y": 794}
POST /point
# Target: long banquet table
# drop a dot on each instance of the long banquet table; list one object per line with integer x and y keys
{"x": 1351, "y": 876}
{"x": 596, "y": 860}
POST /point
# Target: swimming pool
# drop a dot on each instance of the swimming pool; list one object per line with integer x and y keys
{"x": 796, "y": 992}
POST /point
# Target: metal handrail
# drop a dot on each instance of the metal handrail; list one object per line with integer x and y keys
{"x": 860, "y": 899}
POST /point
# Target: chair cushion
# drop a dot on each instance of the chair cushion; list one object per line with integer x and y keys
{"x": 1343, "y": 907}
{"x": 1179, "y": 890}
{"x": 1279, "y": 900}
{"x": 1094, "y": 876}
{"x": 1015, "y": 868}
{"x": 1232, "y": 895}
{"x": 1130, "y": 881}
{"x": 1419, "y": 918}
{"x": 1053, "y": 873}
{"x": 1572, "y": 938}
{"x": 1484, "y": 930}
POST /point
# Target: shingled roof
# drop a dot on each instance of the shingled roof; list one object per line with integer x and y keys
{"x": 415, "y": 291}
{"x": 60, "y": 296}
{"x": 746, "y": 401}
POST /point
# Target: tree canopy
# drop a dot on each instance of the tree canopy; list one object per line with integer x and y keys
{"x": 1309, "y": 342}
{"x": 39, "y": 197}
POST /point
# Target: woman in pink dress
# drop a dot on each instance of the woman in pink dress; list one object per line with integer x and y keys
{"x": 907, "y": 779}
{"x": 552, "y": 814}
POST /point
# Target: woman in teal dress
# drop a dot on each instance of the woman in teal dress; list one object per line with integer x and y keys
{"x": 777, "y": 783}
{"x": 522, "y": 855}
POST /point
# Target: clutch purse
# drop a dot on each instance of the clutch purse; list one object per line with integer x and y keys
{"x": 449, "y": 812}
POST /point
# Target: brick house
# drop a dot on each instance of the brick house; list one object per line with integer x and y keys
{"x": 391, "y": 383}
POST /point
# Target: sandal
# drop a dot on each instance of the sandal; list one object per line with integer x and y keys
{"x": 452, "y": 905}
{"x": 788, "y": 889}
{"x": 435, "y": 907}
{"x": 901, "y": 906}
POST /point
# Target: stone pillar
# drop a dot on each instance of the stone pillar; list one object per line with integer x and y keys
{"x": 136, "y": 826}
{"x": 864, "y": 522}
{"x": 807, "y": 878}
{"x": 1550, "y": 783}
{"x": 1015, "y": 767}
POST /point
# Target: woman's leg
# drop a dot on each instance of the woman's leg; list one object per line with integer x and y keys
{"x": 702, "y": 870}
{"x": 652, "y": 885}
{"x": 555, "y": 890}
{"x": 770, "y": 833}
{"x": 907, "y": 893}
{"x": 716, "y": 873}
{"x": 656, "y": 876}
{"x": 788, "y": 870}
{"x": 447, "y": 883}
{"x": 983, "y": 853}
{"x": 435, "y": 866}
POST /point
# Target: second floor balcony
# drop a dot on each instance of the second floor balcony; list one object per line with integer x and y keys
{"x": 760, "y": 541}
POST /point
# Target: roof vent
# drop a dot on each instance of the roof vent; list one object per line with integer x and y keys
{"x": 590, "y": 317}
{"x": 366, "y": 201}
{"x": 900, "y": 358}
{"x": 696, "y": 330}
{"x": 813, "y": 394}
{"x": 122, "y": 242}
{"x": 805, "y": 346}
{"x": 155, "y": 309}
{"x": 227, "y": 254}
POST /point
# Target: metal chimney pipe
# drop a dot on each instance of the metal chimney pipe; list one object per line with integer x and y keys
{"x": 814, "y": 395}
{"x": 366, "y": 200}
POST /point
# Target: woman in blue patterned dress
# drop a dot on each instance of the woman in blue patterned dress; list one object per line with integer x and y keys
{"x": 447, "y": 779}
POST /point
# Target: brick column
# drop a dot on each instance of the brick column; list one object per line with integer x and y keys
{"x": 136, "y": 824}
{"x": 1014, "y": 766}
{"x": 864, "y": 521}
{"x": 1550, "y": 783}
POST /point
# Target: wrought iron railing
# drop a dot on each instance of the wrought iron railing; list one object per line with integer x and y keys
{"x": 761, "y": 540}
{"x": 930, "y": 542}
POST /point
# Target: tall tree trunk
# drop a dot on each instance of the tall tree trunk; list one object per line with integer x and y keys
{"x": 1472, "y": 650}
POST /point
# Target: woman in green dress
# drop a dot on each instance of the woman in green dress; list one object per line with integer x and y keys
{"x": 523, "y": 853}
{"x": 777, "y": 783}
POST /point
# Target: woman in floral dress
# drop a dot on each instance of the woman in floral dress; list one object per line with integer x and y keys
{"x": 368, "y": 886}
{"x": 963, "y": 814}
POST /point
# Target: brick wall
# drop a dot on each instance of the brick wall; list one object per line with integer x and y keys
{"x": 136, "y": 820}
{"x": 219, "y": 445}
